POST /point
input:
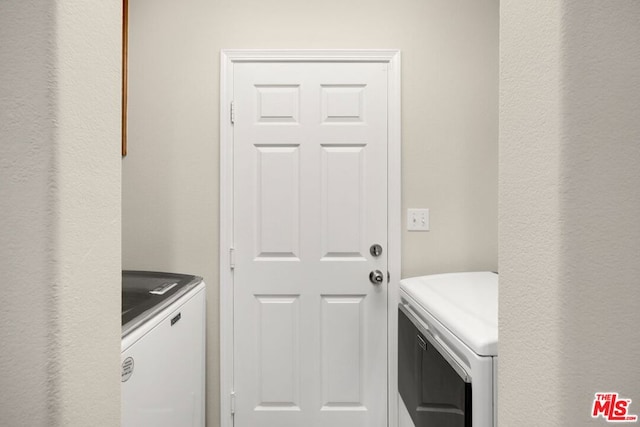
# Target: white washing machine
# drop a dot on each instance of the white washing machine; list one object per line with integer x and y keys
{"x": 448, "y": 350}
{"x": 163, "y": 350}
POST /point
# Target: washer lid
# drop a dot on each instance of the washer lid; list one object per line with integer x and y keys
{"x": 146, "y": 293}
{"x": 465, "y": 303}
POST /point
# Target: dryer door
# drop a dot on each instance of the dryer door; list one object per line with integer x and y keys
{"x": 434, "y": 388}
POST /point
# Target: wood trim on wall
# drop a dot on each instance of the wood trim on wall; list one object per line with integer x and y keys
{"x": 125, "y": 60}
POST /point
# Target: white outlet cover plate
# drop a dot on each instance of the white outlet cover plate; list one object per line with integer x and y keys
{"x": 418, "y": 219}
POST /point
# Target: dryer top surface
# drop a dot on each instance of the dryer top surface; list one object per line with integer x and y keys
{"x": 465, "y": 303}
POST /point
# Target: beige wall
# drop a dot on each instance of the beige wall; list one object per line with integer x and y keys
{"x": 569, "y": 203}
{"x": 60, "y": 203}
{"x": 26, "y": 158}
{"x": 449, "y": 125}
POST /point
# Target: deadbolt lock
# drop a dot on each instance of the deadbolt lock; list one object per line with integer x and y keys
{"x": 375, "y": 250}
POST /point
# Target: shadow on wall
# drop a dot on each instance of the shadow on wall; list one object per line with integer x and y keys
{"x": 600, "y": 205}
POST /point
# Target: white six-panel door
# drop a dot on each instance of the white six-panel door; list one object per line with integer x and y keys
{"x": 309, "y": 200}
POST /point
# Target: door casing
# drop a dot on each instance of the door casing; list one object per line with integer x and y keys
{"x": 227, "y": 59}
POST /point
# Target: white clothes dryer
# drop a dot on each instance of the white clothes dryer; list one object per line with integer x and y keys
{"x": 448, "y": 350}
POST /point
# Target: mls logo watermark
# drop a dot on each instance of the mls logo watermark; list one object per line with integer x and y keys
{"x": 612, "y": 408}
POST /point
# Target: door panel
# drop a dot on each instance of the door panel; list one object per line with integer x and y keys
{"x": 278, "y": 202}
{"x": 342, "y": 202}
{"x": 342, "y": 351}
{"x": 278, "y": 351}
{"x": 310, "y": 198}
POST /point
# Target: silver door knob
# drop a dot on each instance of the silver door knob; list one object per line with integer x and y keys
{"x": 376, "y": 277}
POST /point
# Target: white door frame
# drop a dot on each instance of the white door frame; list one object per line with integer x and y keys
{"x": 227, "y": 59}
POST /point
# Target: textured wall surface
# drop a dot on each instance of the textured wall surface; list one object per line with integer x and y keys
{"x": 569, "y": 200}
{"x": 600, "y": 204}
{"x": 530, "y": 223}
{"x": 60, "y": 203}
{"x": 449, "y": 124}
{"x": 87, "y": 171}
{"x": 26, "y": 207}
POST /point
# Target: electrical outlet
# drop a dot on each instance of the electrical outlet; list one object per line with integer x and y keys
{"x": 418, "y": 219}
